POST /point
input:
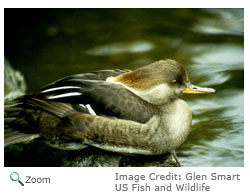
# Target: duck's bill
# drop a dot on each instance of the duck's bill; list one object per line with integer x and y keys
{"x": 192, "y": 89}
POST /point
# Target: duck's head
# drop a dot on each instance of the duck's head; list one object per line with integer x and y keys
{"x": 159, "y": 82}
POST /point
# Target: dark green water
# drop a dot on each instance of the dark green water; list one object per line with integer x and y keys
{"x": 47, "y": 44}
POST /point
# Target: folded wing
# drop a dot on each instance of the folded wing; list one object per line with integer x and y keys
{"x": 82, "y": 93}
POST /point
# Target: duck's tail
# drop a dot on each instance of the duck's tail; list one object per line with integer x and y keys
{"x": 31, "y": 116}
{"x": 18, "y": 126}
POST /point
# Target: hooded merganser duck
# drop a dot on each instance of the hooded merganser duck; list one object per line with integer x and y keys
{"x": 130, "y": 112}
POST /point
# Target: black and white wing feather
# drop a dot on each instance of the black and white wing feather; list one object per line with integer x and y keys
{"x": 100, "y": 98}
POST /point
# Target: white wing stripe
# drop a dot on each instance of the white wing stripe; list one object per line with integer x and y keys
{"x": 91, "y": 111}
{"x": 60, "y": 88}
{"x": 64, "y": 95}
{"x": 82, "y": 105}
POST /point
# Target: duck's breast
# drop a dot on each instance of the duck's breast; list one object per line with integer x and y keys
{"x": 176, "y": 123}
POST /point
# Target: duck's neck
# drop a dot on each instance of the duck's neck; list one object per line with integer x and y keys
{"x": 175, "y": 120}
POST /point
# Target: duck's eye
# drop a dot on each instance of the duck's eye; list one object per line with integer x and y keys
{"x": 173, "y": 82}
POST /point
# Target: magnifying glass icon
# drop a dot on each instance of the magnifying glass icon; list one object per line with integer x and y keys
{"x": 14, "y": 176}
